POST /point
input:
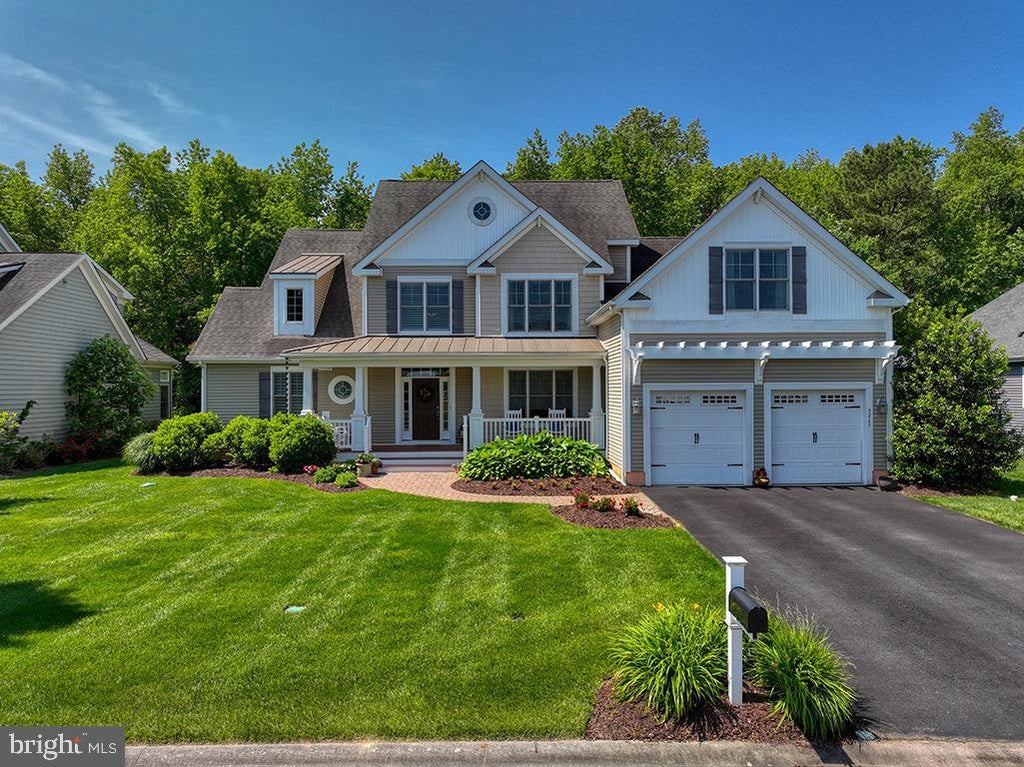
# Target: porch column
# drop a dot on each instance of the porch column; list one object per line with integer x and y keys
{"x": 476, "y": 414}
{"x": 596, "y": 412}
{"x": 307, "y": 391}
{"x": 359, "y": 413}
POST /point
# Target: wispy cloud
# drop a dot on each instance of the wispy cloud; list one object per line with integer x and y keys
{"x": 13, "y": 67}
{"x": 55, "y": 132}
{"x": 116, "y": 120}
{"x": 170, "y": 102}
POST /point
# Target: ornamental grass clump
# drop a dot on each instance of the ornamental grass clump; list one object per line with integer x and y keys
{"x": 673, "y": 660}
{"x": 809, "y": 681}
{"x": 139, "y": 452}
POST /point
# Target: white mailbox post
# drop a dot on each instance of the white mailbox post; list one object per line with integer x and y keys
{"x": 734, "y": 579}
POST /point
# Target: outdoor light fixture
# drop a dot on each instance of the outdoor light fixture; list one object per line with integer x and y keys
{"x": 636, "y": 406}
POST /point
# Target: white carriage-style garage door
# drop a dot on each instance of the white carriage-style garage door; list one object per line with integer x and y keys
{"x": 817, "y": 437}
{"x": 697, "y": 437}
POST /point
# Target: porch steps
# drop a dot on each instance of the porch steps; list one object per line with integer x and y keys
{"x": 420, "y": 461}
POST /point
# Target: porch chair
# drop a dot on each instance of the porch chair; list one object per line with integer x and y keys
{"x": 555, "y": 415}
{"x": 513, "y": 425}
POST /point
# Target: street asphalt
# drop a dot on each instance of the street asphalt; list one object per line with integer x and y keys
{"x": 927, "y": 604}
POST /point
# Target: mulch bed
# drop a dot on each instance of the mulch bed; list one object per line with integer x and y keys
{"x": 615, "y": 720}
{"x": 949, "y": 492}
{"x": 299, "y": 479}
{"x": 610, "y": 520}
{"x": 565, "y": 486}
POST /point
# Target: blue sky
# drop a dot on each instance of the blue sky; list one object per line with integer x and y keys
{"x": 388, "y": 84}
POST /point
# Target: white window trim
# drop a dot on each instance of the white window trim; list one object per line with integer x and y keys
{"x": 748, "y": 420}
{"x": 400, "y": 404}
{"x": 867, "y": 436}
{"x": 281, "y": 325}
{"x": 330, "y": 389}
{"x": 425, "y": 280}
{"x": 528, "y": 370}
{"x": 757, "y": 277}
{"x": 489, "y": 219}
{"x": 575, "y": 314}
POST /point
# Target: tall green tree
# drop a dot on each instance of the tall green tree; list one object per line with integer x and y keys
{"x": 888, "y": 209}
{"x": 350, "y": 201}
{"x": 436, "y": 168}
{"x": 28, "y": 211}
{"x": 533, "y": 160}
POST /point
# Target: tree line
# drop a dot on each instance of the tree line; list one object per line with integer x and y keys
{"x": 944, "y": 224}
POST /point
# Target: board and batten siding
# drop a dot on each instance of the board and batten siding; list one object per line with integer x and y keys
{"x": 377, "y": 303}
{"x": 610, "y": 336}
{"x": 539, "y": 251}
{"x": 37, "y": 346}
{"x": 234, "y": 389}
{"x": 775, "y": 372}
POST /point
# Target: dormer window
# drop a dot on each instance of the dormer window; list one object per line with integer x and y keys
{"x": 756, "y": 279}
{"x": 294, "y": 311}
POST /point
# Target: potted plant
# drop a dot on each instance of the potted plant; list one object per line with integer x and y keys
{"x": 364, "y": 464}
{"x": 761, "y": 478}
{"x": 375, "y": 465}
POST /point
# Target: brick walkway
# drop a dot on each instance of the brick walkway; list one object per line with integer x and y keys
{"x": 438, "y": 484}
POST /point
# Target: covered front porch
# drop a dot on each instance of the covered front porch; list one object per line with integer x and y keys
{"x": 420, "y": 403}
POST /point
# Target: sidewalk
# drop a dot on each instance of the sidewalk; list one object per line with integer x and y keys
{"x": 582, "y": 753}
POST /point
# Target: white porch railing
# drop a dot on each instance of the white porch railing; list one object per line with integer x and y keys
{"x": 510, "y": 428}
{"x": 351, "y": 436}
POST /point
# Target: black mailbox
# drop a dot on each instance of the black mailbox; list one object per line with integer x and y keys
{"x": 748, "y": 612}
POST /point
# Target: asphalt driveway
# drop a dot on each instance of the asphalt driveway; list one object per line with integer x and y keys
{"x": 928, "y": 604}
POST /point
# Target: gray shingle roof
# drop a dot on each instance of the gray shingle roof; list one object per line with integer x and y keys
{"x": 1003, "y": 320}
{"x": 39, "y": 270}
{"x": 242, "y": 324}
{"x": 154, "y": 355}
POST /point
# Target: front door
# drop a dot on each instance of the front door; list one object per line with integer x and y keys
{"x": 426, "y": 408}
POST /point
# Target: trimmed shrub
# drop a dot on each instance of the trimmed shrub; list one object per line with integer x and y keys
{"x": 139, "y": 451}
{"x": 246, "y": 442}
{"x": 672, "y": 660}
{"x": 346, "y": 479}
{"x": 535, "y": 457}
{"x": 180, "y": 442}
{"x": 327, "y": 474}
{"x": 36, "y": 453}
{"x": 107, "y": 389}
{"x": 299, "y": 442}
{"x": 11, "y": 440}
{"x": 810, "y": 681}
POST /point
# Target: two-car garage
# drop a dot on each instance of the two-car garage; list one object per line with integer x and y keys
{"x": 809, "y": 433}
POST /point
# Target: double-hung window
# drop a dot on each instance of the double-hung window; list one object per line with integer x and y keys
{"x": 756, "y": 279}
{"x": 535, "y": 392}
{"x": 294, "y": 311}
{"x": 285, "y": 392}
{"x": 539, "y": 305}
{"x": 424, "y": 306}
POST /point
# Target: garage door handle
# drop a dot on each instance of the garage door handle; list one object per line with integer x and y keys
{"x": 734, "y": 464}
{"x": 696, "y": 438}
{"x": 778, "y": 464}
{"x": 814, "y": 437}
{"x": 657, "y": 466}
{"x": 853, "y": 463}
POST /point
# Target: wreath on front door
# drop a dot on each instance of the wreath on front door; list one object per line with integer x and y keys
{"x": 425, "y": 393}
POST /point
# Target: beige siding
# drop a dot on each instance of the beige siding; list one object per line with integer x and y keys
{"x": 234, "y": 389}
{"x": 463, "y": 393}
{"x": 584, "y": 392}
{"x": 610, "y": 335}
{"x": 492, "y": 385}
{"x": 380, "y": 399}
{"x": 323, "y": 399}
{"x": 36, "y": 348}
{"x": 538, "y": 251}
{"x": 376, "y": 299}
{"x": 320, "y": 289}
{"x": 617, "y": 257}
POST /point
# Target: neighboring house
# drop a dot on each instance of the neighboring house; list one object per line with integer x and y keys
{"x": 1003, "y": 320}
{"x": 51, "y": 306}
{"x": 483, "y": 308}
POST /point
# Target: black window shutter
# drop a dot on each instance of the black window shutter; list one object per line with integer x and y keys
{"x": 458, "y": 310}
{"x": 264, "y": 395}
{"x": 315, "y": 404}
{"x": 799, "y": 279}
{"x": 391, "y": 297}
{"x": 715, "y": 304}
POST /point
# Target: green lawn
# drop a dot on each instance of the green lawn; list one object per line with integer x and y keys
{"x": 996, "y": 507}
{"x": 160, "y": 609}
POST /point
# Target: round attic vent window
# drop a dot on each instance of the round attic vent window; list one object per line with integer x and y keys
{"x": 481, "y": 211}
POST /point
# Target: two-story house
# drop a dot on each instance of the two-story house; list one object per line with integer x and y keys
{"x": 482, "y": 308}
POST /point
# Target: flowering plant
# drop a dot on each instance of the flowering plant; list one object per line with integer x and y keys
{"x": 630, "y": 506}
{"x": 310, "y": 469}
{"x": 580, "y": 499}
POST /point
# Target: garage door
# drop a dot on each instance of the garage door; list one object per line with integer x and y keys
{"x": 697, "y": 438}
{"x": 817, "y": 437}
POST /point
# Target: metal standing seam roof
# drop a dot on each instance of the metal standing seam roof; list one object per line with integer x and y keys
{"x": 310, "y": 264}
{"x": 451, "y": 345}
